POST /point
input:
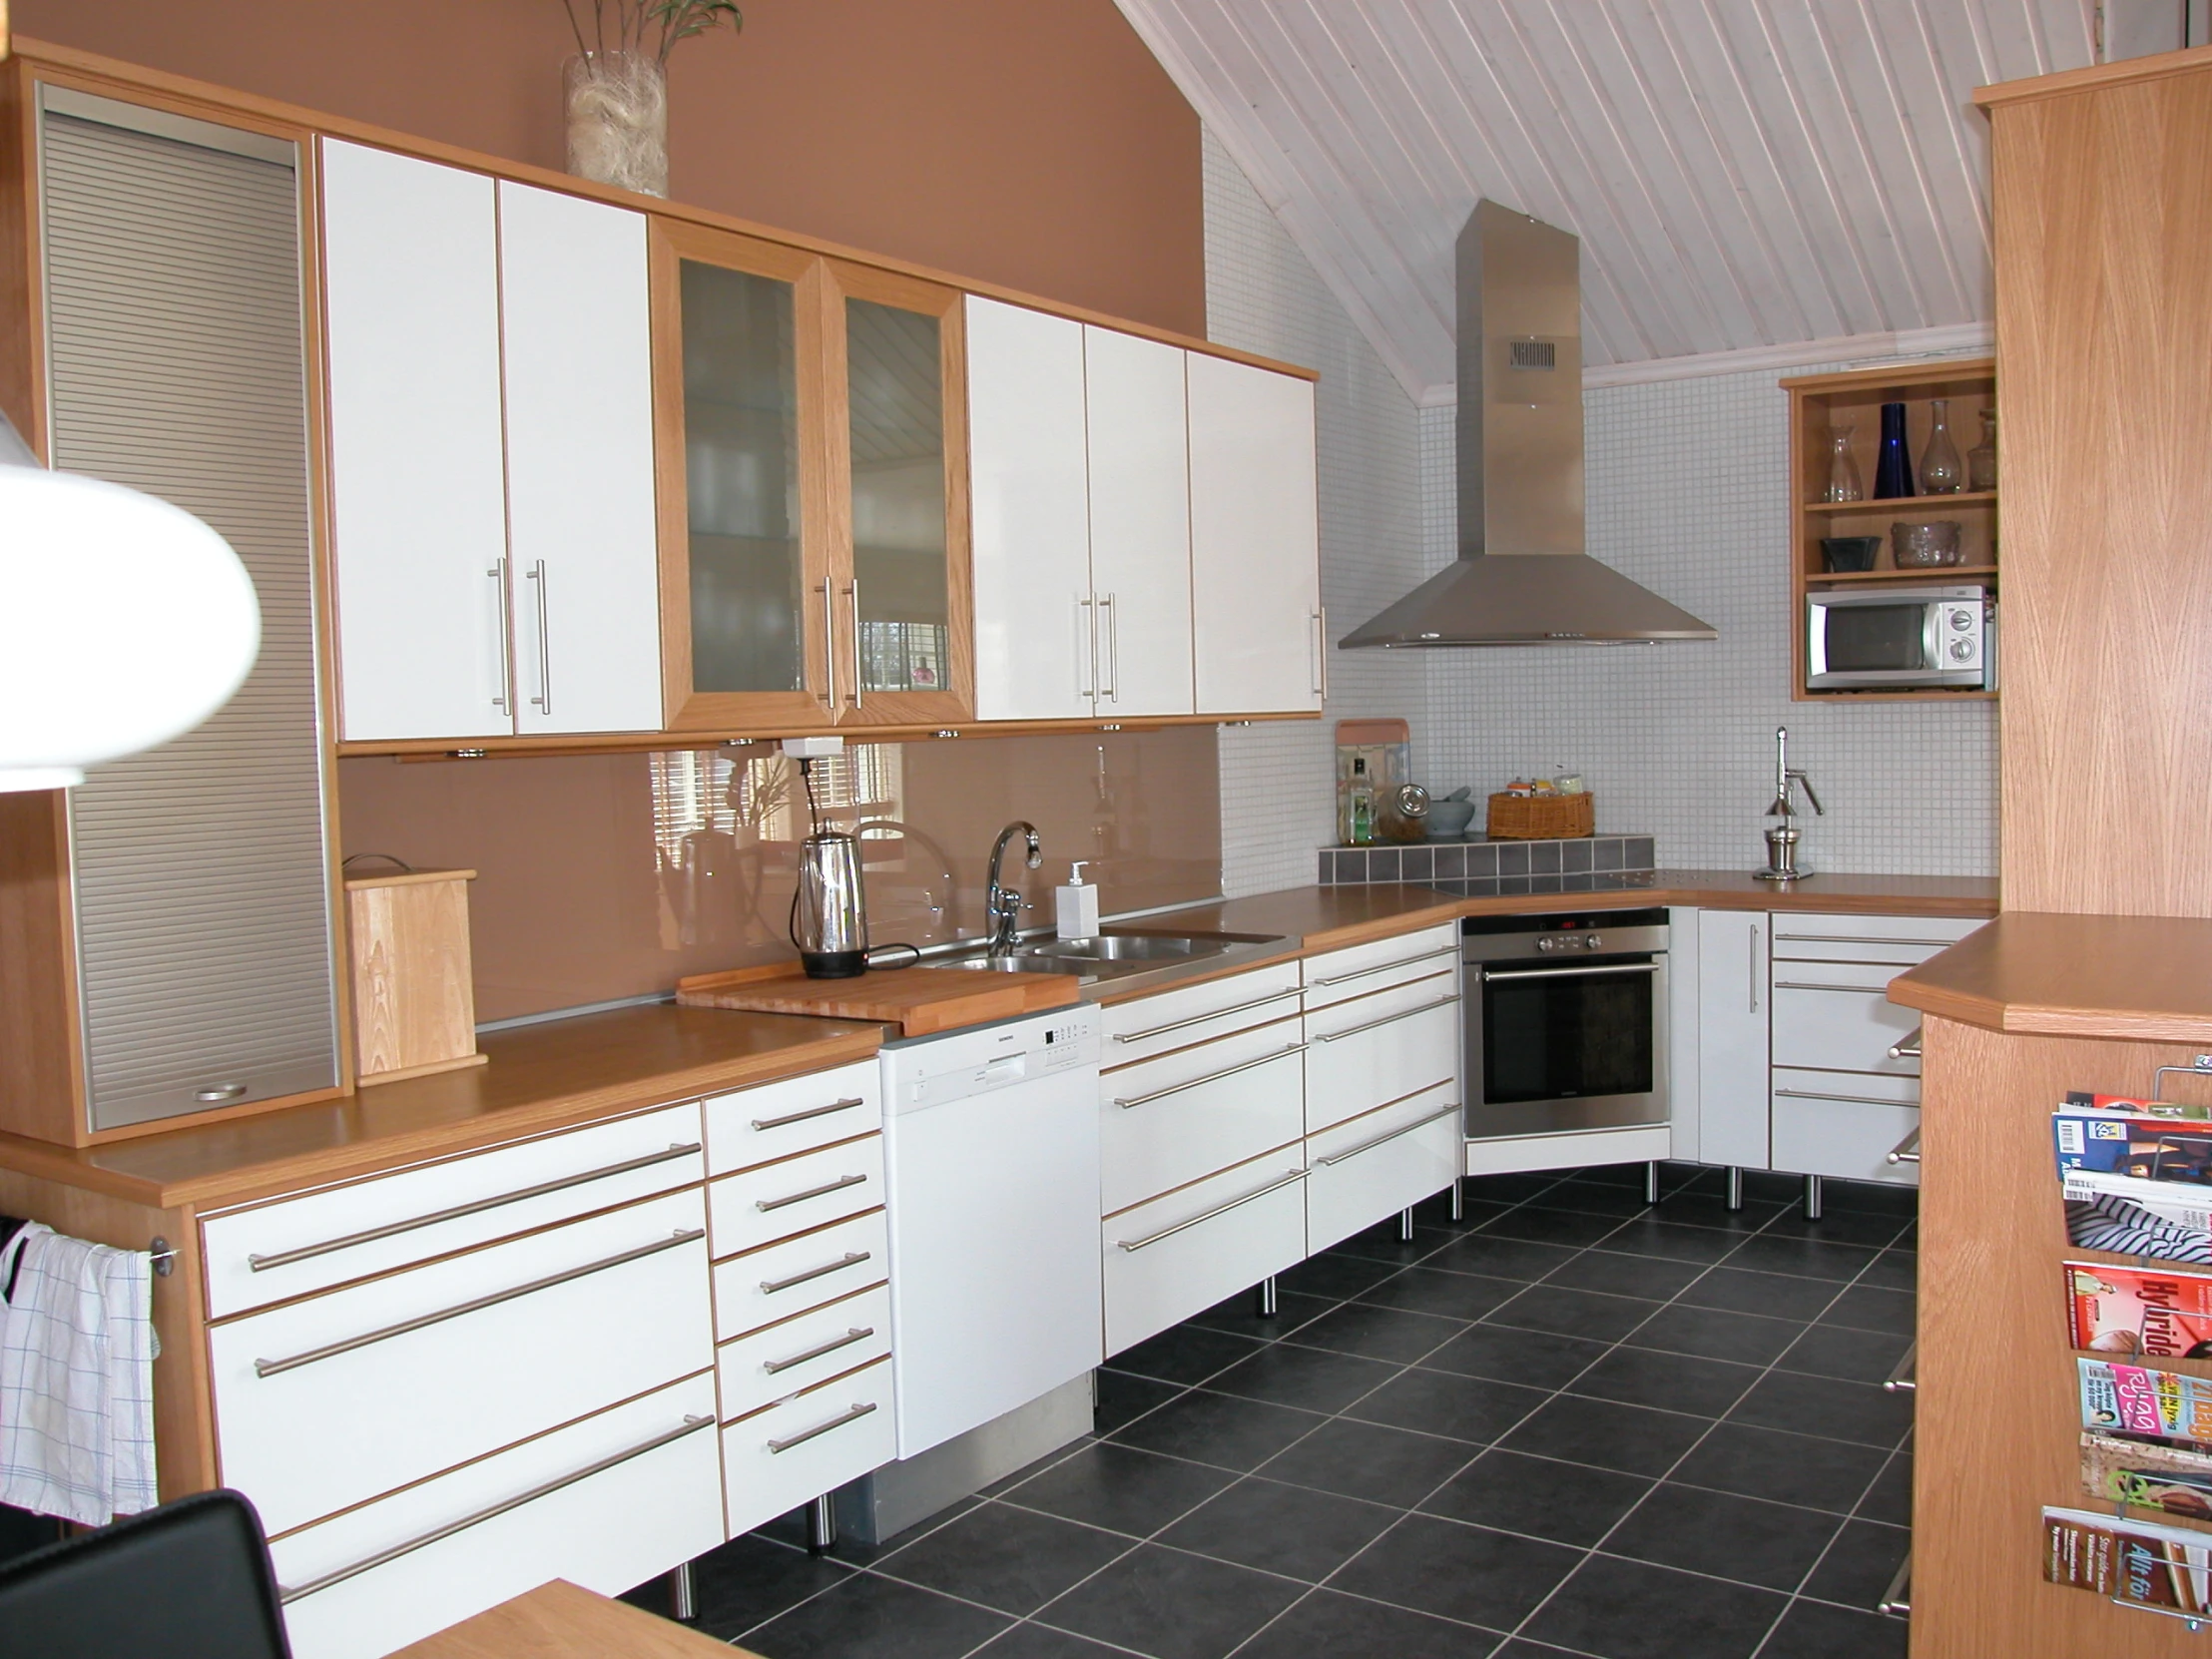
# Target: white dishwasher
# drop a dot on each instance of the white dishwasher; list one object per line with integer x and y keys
{"x": 990, "y": 1148}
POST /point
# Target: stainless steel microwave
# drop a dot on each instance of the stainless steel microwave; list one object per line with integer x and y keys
{"x": 1895, "y": 639}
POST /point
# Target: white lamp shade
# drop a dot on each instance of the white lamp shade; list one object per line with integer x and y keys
{"x": 124, "y": 622}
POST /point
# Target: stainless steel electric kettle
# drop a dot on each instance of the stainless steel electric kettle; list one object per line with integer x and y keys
{"x": 828, "y": 923}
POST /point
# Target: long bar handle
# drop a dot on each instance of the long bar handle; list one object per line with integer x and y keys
{"x": 1385, "y": 968}
{"x": 1902, "y": 1380}
{"x": 844, "y": 1105}
{"x": 506, "y": 697}
{"x": 1208, "y": 1215}
{"x": 1111, "y": 688}
{"x": 763, "y": 1204}
{"x": 1086, "y": 646}
{"x": 1321, "y": 653}
{"x": 1386, "y": 1019}
{"x": 1847, "y": 1099}
{"x": 692, "y": 1425}
{"x": 829, "y": 640}
{"x": 1201, "y": 1019}
{"x": 1751, "y": 975}
{"x": 544, "y": 699}
{"x": 1907, "y": 1047}
{"x": 330, "y": 1350}
{"x": 284, "y": 1258}
{"x": 854, "y": 1333}
{"x": 1384, "y": 1140}
{"x": 1856, "y": 938}
{"x": 769, "y": 1286}
{"x": 1808, "y": 985}
{"x": 1489, "y": 975}
{"x": 1897, "y": 1600}
{"x": 860, "y": 675}
{"x": 839, "y": 1421}
{"x": 1906, "y": 1151}
{"x": 1209, "y": 1077}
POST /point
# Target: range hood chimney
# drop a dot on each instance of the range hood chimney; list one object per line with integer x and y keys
{"x": 1521, "y": 577}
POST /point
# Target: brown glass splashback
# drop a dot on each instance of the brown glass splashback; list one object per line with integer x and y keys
{"x": 609, "y": 875}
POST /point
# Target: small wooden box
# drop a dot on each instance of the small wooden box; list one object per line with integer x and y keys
{"x": 414, "y": 1003}
{"x": 1541, "y": 818}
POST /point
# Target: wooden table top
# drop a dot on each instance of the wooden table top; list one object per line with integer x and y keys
{"x": 2147, "y": 978}
{"x": 557, "y": 1620}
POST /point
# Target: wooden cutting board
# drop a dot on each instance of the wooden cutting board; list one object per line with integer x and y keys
{"x": 919, "y": 1000}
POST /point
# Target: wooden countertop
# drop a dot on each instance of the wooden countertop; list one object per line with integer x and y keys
{"x": 2143, "y": 977}
{"x": 557, "y": 1620}
{"x": 539, "y": 1078}
{"x": 920, "y": 1000}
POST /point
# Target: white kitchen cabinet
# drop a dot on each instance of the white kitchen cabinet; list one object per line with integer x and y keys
{"x": 1258, "y": 630}
{"x": 1845, "y": 1124}
{"x": 1188, "y": 1248}
{"x": 583, "y": 567}
{"x": 1732, "y": 1054}
{"x": 1138, "y": 442}
{"x": 410, "y": 274}
{"x": 1182, "y": 1117}
{"x": 1379, "y": 1163}
{"x": 811, "y": 1443}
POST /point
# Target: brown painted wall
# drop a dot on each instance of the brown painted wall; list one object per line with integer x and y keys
{"x": 1033, "y": 143}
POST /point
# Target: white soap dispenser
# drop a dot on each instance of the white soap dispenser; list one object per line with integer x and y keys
{"x": 1075, "y": 905}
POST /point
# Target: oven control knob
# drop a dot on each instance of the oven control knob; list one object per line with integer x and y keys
{"x": 1961, "y": 651}
{"x": 1547, "y": 944}
{"x": 1594, "y": 941}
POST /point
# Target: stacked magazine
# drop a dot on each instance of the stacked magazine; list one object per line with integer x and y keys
{"x": 2134, "y": 1561}
{"x": 2146, "y": 1437}
{"x": 2137, "y": 1176}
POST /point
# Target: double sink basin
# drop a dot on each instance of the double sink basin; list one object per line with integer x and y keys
{"x": 1119, "y": 953}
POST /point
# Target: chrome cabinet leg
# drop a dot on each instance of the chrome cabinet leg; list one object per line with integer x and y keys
{"x": 1812, "y": 1198}
{"x": 1458, "y": 1203}
{"x": 1735, "y": 1187}
{"x": 683, "y": 1604}
{"x": 821, "y": 1524}
{"x": 1651, "y": 1181}
{"x": 1405, "y": 1224}
{"x": 1262, "y": 1298}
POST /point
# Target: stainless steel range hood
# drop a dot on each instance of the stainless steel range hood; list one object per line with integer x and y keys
{"x": 1521, "y": 577}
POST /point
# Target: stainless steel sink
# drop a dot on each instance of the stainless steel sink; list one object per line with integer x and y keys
{"x": 1115, "y": 956}
{"x": 1006, "y": 965}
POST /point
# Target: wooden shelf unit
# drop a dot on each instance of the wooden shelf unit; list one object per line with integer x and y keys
{"x": 1819, "y": 402}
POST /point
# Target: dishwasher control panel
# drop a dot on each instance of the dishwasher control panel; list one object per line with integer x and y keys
{"x": 928, "y": 1071}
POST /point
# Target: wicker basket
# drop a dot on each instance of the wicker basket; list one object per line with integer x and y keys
{"x": 1541, "y": 818}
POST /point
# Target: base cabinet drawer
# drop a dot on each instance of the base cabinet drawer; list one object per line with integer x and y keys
{"x": 1382, "y": 1047}
{"x": 1363, "y": 968}
{"x": 799, "y": 1114}
{"x": 606, "y": 1504}
{"x": 1187, "y": 1114}
{"x": 791, "y": 1453}
{"x": 1845, "y": 1125}
{"x": 1836, "y": 1016}
{"x": 770, "y": 1365}
{"x": 779, "y": 1198}
{"x": 1376, "y": 1165}
{"x": 1179, "y": 1019}
{"x": 1184, "y": 1251}
{"x": 773, "y": 1283}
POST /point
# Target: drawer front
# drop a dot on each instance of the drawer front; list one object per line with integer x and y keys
{"x": 1182, "y": 1019}
{"x": 1837, "y": 1016}
{"x": 1363, "y": 968}
{"x": 1381, "y": 1046}
{"x": 1380, "y": 1164}
{"x": 310, "y": 1416}
{"x": 1903, "y": 941}
{"x": 648, "y": 1507}
{"x": 327, "y": 1237}
{"x": 1174, "y": 1119}
{"x": 811, "y": 1443}
{"x": 771, "y": 1365}
{"x": 799, "y": 1114}
{"x": 772, "y": 1284}
{"x": 777, "y": 1200}
{"x": 1835, "y": 1123}
{"x": 1184, "y": 1251}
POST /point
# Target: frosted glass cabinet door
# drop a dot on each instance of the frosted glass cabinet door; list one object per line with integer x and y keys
{"x": 583, "y": 572}
{"x": 411, "y": 294}
{"x": 1139, "y": 511}
{"x": 1255, "y": 540}
{"x": 1027, "y": 481}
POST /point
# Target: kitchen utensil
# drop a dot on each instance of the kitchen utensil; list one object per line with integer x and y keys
{"x": 1405, "y": 815}
{"x": 1925, "y": 545}
{"x": 1782, "y": 838}
{"x": 828, "y": 923}
{"x": 1449, "y": 819}
{"x": 1847, "y": 553}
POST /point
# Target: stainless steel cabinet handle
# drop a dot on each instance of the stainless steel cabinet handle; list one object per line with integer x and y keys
{"x": 1897, "y": 1600}
{"x": 1906, "y": 1151}
{"x": 1847, "y": 1099}
{"x": 1276, "y": 1185}
{"x": 1856, "y": 938}
{"x": 215, "y": 1093}
{"x": 1209, "y": 1077}
{"x": 837, "y": 1422}
{"x": 1201, "y": 1019}
{"x": 1806, "y": 985}
{"x": 854, "y": 1333}
{"x": 272, "y": 1367}
{"x": 1751, "y": 976}
{"x": 1385, "y": 968}
{"x": 1384, "y": 1140}
{"x": 859, "y": 674}
{"x": 506, "y": 697}
{"x": 1569, "y": 972}
{"x": 1386, "y": 1019}
{"x": 1086, "y": 646}
{"x": 1320, "y": 654}
{"x": 284, "y": 1258}
{"x": 1111, "y": 689}
{"x": 1901, "y": 1380}
{"x": 763, "y": 1204}
{"x": 692, "y": 1425}
{"x": 544, "y": 699}
{"x": 769, "y": 1286}
{"x": 1907, "y": 1047}
{"x": 845, "y": 1105}
{"x": 829, "y": 643}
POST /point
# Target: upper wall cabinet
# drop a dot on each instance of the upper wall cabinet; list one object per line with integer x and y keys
{"x": 1140, "y": 520}
{"x": 491, "y": 463}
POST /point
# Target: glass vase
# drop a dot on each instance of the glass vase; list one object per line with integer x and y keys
{"x": 1941, "y": 471}
{"x": 1893, "y": 466}
{"x": 1982, "y": 460}
{"x": 618, "y": 120}
{"x": 1843, "y": 482}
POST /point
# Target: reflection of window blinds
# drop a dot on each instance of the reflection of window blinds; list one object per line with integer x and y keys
{"x": 176, "y": 359}
{"x": 700, "y": 790}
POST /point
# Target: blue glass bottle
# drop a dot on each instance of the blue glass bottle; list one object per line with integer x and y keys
{"x": 1893, "y": 463}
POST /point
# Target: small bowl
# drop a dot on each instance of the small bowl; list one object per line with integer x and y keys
{"x": 1927, "y": 545}
{"x": 1847, "y": 553}
{"x": 1449, "y": 819}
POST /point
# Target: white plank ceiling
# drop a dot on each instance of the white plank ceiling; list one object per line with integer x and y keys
{"x": 1744, "y": 174}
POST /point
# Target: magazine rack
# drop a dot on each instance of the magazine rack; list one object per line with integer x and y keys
{"x": 2191, "y": 1622}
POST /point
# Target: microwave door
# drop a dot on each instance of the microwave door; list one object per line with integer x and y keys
{"x": 1870, "y": 644}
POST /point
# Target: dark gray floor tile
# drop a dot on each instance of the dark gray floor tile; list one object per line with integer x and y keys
{"x": 1036, "y": 1641}
{"x": 1604, "y": 1269}
{"x": 1778, "y": 1296}
{"x": 1805, "y": 1258}
{"x": 1629, "y": 1610}
{"x": 1347, "y": 1627}
{"x": 1458, "y": 1296}
{"x": 1889, "y": 1498}
{"x": 1839, "y": 1227}
{"x": 1860, "y": 1564}
{"x": 1760, "y": 1186}
{"x": 1526, "y": 1357}
{"x": 1561, "y": 1312}
{"x": 867, "y": 1617}
{"x": 1182, "y": 1354}
{"x": 1607, "y": 1434}
{"x": 1239, "y": 1315}
{"x": 1789, "y": 1469}
{"x": 1858, "y": 1411}
{"x": 1879, "y": 1198}
{"x": 1381, "y": 1241}
{"x": 1120, "y": 1488}
{"x": 749, "y": 1579}
{"x": 1894, "y": 1270}
{"x": 1315, "y": 1379}
{"x": 1540, "y": 1225}
{"x": 1871, "y": 1307}
{"x": 1123, "y": 1398}
{"x": 1437, "y": 1402}
{"x": 1330, "y": 1274}
{"x": 1379, "y": 1332}
{"x": 1597, "y": 1199}
{"x": 1569, "y": 1503}
{"x": 1369, "y": 1461}
{"x": 1854, "y": 1355}
{"x": 1715, "y": 1334}
{"x": 1773, "y": 1545}
{"x": 1697, "y": 1210}
{"x": 1470, "y": 1573}
{"x": 1668, "y": 1240}
{"x": 1218, "y": 1429}
{"x": 1283, "y": 1529}
{"x": 1496, "y": 1257}
{"x": 1012, "y": 1560}
{"x": 1670, "y": 1381}
{"x": 1810, "y": 1630}
{"x": 1172, "y": 1605}
{"x": 1507, "y": 1189}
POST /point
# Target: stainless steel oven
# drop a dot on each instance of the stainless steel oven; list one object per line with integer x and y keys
{"x": 1566, "y": 1021}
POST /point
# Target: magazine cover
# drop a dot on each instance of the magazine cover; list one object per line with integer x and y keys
{"x": 2136, "y": 1404}
{"x": 2128, "y": 1105}
{"x": 2130, "y": 1560}
{"x": 2134, "y": 1309}
{"x": 2138, "y": 1218}
{"x": 2150, "y": 1477}
{"x": 2150, "y": 1149}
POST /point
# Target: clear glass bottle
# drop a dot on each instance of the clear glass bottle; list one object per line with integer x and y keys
{"x": 1982, "y": 460}
{"x": 1941, "y": 471}
{"x": 1843, "y": 482}
{"x": 1362, "y": 805}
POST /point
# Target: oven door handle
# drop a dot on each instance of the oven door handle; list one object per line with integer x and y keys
{"x": 1489, "y": 975}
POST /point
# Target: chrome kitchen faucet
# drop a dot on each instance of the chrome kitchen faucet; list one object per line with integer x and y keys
{"x": 1003, "y": 906}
